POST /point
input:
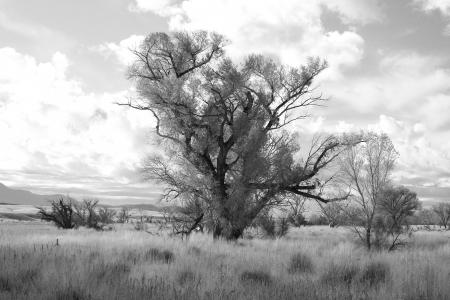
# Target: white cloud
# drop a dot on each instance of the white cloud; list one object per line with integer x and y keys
{"x": 291, "y": 30}
{"x": 49, "y": 125}
{"x": 122, "y": 50}
{"x": 429, "y": 5}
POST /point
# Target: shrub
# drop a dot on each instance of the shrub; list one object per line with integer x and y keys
{"x": 259, "y": 277}
{"x": 300, "y": 263}
{"x": 86, "y": 213}
{"x": 165, "y": 256}
{"x": 374, "y": 273}
{"x": 62, "y": 213}
{"x": 339, "y": 274}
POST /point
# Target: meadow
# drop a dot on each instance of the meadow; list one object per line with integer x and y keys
{"x": 38, "y": 261}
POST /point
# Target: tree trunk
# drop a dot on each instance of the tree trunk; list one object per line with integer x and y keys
{"x": 226, "y": 229}
{"x": 368, "y": 235}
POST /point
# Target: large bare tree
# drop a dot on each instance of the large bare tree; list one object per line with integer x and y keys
{"x": 223, "y": 127}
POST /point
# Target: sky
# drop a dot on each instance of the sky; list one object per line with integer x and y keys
{"x": 63, "y": 69}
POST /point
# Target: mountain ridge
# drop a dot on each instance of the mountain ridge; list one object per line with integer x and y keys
{"x": 22, "y": 197}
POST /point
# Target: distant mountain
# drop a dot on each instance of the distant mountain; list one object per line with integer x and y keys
{"x": 12, "y": 196}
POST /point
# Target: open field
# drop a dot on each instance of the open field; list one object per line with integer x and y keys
{"x": 128, "y": 264}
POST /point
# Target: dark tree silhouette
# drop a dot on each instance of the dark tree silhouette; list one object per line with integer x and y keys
{"x": 223, "y": 125}
{"x": 395, "y": 206}
{"x": 61, "y": 213}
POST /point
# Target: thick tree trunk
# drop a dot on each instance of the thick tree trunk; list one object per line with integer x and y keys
{"x": 226, "y": 229}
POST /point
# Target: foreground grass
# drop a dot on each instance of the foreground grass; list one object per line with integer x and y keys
{"x": 310, "y": 263}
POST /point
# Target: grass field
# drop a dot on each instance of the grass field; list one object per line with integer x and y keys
{"x": 310, "y": 263}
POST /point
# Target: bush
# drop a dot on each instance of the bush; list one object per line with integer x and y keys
{"x": 300, "y": 263}
{"x": 374, "y": 273}
{"x": 62, "y": 213}
{"x": 86, "y": 213}
{"x": 339, "y": 274}
{"x": 165, "y": 256}
{"x": 259, "y": 277}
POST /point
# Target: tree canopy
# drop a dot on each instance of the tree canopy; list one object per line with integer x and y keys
{"x": 223, "y": 125}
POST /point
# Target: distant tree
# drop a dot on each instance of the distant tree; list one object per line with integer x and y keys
{"x": 86, "y": 212}
{"x": 222, "y": 125}
{"x": 396, "y": 205}
{"x": 123, "y": 216}
{"x": 426, "y": 217}
{"x": 106, "y": 215}
{"x": 442, "y": 210}
{"x": 296, "y": 210}
{"x": 334, "y": 212}
{"x": 367, "y": 168}
{"x": 61, "y": 213}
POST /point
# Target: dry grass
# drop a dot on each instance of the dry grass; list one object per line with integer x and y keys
{"x": 310, "y": 263}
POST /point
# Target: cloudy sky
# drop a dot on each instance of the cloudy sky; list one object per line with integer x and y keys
{"x": 63, "y": 63}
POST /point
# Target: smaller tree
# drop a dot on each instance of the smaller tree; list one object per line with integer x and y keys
{"x": 442, "y": 210}
{"x": 61, "y": 213}
{"x": 427, "y": 218}
{"x": 87, "y": 215}
{"x": 296, "y": 208}
{"x": 334, "y": 213}
{"x": 367, "y": 168}
{"x": 124, "y": 215}
{"x": 106, "y": 215}
{"x": 396, "y": 205}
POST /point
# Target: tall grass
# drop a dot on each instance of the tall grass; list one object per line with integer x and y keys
{"x": 309, "y": 263}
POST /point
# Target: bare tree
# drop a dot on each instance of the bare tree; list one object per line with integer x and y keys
{"x": 61, "y": 213}
{"x": 123, "y": 216}
{"x": 106, "y": 215}
{"x": 427, "y": 218}
{"x": 367, "y": 167}
{"x": 442, "y": 210}
{"x": 222, "y": 126}
{"x": 86, "y": 212}
{"x": 296, "y": 208}
{"x": 334, "y": 212}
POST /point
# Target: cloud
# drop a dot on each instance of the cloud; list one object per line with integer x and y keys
{"x": 291, "y": 30}
{"x": 443, "y": 6}
{"x": 121, "y": 51}
{"x": 403, "y": 83}
{"x": 49, "y": 126}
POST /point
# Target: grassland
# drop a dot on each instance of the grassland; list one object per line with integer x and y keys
{"x": 310, "y": 263}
